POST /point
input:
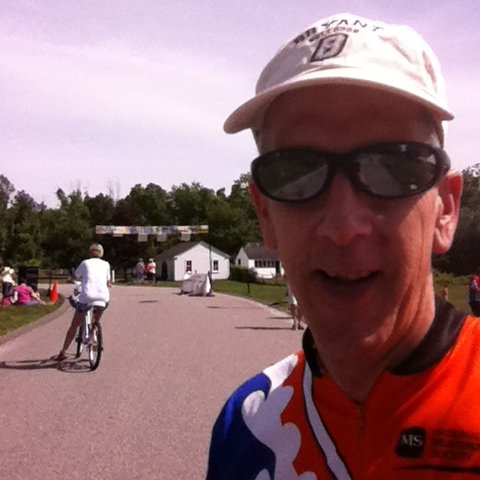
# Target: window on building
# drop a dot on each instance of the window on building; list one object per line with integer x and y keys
{"x": 215, "y": 266}
{"x": 188, "y": 266}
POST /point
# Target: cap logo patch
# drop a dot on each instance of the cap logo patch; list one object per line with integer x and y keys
{"x": 329, "y": 47}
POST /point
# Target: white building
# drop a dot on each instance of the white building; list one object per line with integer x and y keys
{"x": 192, "y": 257}
{"x": 256, "y": 257}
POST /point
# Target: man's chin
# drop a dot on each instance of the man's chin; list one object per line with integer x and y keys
{"x": 341, "y": 321}
{"x": 346, "y": 294}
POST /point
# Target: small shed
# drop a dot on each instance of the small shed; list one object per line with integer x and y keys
{"x": 192, "y": 257}
{"x": 256, "y": 257}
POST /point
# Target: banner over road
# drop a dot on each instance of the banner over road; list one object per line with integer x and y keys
{"x": 118, "y": 230}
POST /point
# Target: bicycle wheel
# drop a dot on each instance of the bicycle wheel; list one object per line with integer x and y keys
{"x": 79, "y": 340}
{"x": 95, "y": 346}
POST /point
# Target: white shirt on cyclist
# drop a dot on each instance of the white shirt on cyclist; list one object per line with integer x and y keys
{"x": 94, "y": 273}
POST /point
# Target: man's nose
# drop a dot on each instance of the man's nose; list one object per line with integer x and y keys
{"x": 346, "y": 214}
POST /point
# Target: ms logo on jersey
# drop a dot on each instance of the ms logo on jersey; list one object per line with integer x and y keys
{"x": 411, "y": 443}
{"x": 329, "y": 47}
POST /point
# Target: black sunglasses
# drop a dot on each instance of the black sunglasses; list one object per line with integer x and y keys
{"x": 395, "y": 170}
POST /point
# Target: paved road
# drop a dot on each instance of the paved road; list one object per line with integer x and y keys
{"x": 170, "y": 362}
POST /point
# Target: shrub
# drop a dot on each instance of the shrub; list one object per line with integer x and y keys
{"x": 244, "y": 275}
{"x": 442, "y": 278}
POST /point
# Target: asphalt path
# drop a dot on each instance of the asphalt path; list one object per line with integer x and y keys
{"x": 169, "y": 364}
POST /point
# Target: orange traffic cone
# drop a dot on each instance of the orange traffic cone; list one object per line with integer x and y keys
{"x": 54, "y": 293}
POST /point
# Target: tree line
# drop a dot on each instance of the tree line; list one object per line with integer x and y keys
{"x": 58, "y": 238}
{"x": 464, "y": 256}
{"x": 32, "y": 234}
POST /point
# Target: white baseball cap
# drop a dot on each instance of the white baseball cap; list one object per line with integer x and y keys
{"x": 350, "y": 50}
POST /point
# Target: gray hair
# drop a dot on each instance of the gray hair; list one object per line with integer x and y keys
{"x": 96, "y": 250}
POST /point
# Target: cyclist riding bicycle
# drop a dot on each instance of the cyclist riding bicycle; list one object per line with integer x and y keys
{"x": 94, "y": 276}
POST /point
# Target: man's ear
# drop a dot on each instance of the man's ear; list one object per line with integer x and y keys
{"x": 262, "y": 208}
{"x": 448, "y": 211}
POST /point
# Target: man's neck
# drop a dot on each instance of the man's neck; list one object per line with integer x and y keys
{"x": 356, "y": 377}
{"x": 356, "y": 366}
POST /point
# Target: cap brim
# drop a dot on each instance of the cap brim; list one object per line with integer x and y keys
{"x": 250, "y": 114}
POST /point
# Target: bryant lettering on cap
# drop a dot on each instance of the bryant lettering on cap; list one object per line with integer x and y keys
{"x": 354, "y": 51}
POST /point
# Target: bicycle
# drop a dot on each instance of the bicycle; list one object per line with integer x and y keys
{"x": 89, "y": 336}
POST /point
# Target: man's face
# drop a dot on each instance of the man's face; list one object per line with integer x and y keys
{"x": 359, "y": 265}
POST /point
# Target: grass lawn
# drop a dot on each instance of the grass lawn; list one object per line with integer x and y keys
{"x": 14, "y": 317}
{"x": 270, "y": 294}
{"x": 275, "y": 294}
{"x": 457, "y": 290}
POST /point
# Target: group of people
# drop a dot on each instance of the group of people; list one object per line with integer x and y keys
{"x": 21, "y": 294}
{"x": 145, "y": 272}
{"x": 353, "y": 189}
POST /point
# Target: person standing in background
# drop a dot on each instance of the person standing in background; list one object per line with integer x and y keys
{"x": 444, "y": 292}
{"x": 8, "y": 281}
{"x": 140, "y": 271}
{"x": 294, "y": 310}
{"x": 151, "y": 270}
{"x": 474, "y": 293}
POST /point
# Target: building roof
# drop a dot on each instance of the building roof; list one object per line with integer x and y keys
{"x": 183, "y": 247}
{"x": 256, "y": 251}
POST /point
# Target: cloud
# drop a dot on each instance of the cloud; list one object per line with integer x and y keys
{"x": 112, "y": 85}
{"x": 88, "y": 114}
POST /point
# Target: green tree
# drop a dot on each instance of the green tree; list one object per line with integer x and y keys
{"x": 189, "y": 204}
{"x": 232, "y": 220}
{"x": 464, "y": 255}
{"x": 101, "y": 209}
{"x": 149, "y": 205}
{"x": 67, "y": 231}
{"x": 22, "y": 245}
{"x": 6, "y": 191}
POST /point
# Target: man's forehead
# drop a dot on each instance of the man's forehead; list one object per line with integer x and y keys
{"x": 340, "y": 100}
{"x": 335, "y": 113}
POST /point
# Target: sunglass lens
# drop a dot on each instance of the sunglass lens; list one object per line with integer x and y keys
{"x": 391, "y": 175}
{"x": 291, "y": 176}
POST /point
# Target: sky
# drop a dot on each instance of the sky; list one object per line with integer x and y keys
{"x": 101, "y": 95}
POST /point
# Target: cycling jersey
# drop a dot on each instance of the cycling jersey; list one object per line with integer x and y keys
{"x": 420, "y": 421}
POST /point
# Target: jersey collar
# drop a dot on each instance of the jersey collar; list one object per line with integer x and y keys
{"x": 441, "y": 336}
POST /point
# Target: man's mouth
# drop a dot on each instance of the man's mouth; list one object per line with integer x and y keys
{"x": 346, "y": 278}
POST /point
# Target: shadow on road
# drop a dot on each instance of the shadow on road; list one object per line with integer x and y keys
{"x": 263, "y": 328}
{"x": 218, "y": 307}
{"x": 68, "y": 366}
{"x": 39, "y": 364}
{"x": 75, "y": 366}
